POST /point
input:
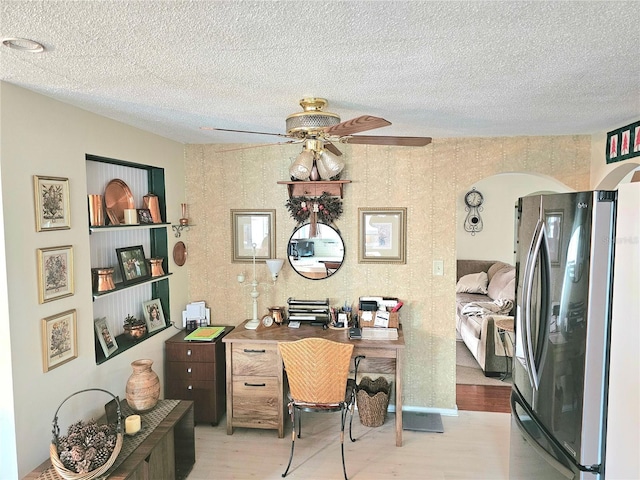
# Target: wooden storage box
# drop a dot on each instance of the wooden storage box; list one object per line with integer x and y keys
{"x": 367, "y": 319}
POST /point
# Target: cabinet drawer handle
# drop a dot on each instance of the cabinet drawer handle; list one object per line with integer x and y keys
{"x": 189, "y": 387}
{"x": 188, "y": 353}
{"x": 249, "y": 350}
{"x": 247, "y": 384}
{"x": 189, "y": 370}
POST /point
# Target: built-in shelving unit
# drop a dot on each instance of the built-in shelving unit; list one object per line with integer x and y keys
{"x": 125, "y": 299}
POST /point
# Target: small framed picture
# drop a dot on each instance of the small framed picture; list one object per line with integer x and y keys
{"x": 153, "y": 315}
{"x": 52, "y": 203}
{"x": 106, "y": 339}
{"x": 382, "y": 235}
{"x": 59, "y": 339}
{"x": 133, "y": 264}
{"x": 55, "y": 273}
{"x": 144, "y": 216}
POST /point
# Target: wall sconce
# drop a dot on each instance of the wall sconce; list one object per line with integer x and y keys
{"x": 275, "y": 265}
{"x": 184, "y": 221}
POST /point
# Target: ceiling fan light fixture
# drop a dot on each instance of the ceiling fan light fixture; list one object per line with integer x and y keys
{"x": 329, "y": 165}
{"x": 313, "y": 120}
{"x": 302, "y": 165}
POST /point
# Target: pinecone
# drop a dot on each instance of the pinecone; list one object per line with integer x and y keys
{"x": 83, "y": 467}
{"x": 102, "y": 455}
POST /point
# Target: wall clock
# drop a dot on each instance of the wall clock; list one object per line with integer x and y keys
{"x": 473, "y": 200}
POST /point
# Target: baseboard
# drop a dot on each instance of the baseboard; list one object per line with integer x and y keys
{"x": 448, "y": 412}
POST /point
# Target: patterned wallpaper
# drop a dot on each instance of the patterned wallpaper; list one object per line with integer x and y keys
{"x": 426, "y": 180}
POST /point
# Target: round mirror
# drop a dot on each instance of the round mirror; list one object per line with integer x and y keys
{"x": 316, "y": 257}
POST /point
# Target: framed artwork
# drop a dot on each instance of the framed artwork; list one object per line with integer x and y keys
{"x": 133, "y": 264}
{"x": 153, "y": 315}
{"x": 144, "y": 216}
{"x": 382, "y": 235}
{"x": 553, "y": 221}
{"x": 623, "y": 143}
{"x": 55, "y": 273}
{"x": 105, "y": 337}
{"x": 251, "y": 228}
{"x": 59, "y": 339}
{"x": 51, "y": 203}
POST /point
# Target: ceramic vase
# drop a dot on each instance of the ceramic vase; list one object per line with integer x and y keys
{"x": 143, "y": 386}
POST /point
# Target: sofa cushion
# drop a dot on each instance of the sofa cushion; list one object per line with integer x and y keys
{"x": 501, "y": 285}
{"x": 473, "y": 283}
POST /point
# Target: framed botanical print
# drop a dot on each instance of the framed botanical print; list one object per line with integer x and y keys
{"x": 59, "y": 339}
{"x": 251, "y": 228}
{"x": 51, "y": 203}
{"x": 382, "y": 235}
{"x": 55, "y": 273}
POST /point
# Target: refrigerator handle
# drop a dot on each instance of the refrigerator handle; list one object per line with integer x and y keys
{"x": 534, "y": 255}
{"x": 557, "y": 465}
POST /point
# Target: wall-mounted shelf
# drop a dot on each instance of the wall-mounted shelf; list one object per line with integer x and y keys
{"x": 177, "y": 229}
{"x": 315, "y": 189}
{"x": 121, "y": 286}
{"x": 140, "y": 226}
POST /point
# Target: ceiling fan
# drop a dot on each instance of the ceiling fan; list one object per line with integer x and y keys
{"x": 319, "y": 131}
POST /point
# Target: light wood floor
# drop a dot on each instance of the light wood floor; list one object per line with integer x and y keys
{"x": 474, "y": 445}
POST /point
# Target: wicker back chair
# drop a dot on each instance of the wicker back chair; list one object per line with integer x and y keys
{"x": 318, "y": 370}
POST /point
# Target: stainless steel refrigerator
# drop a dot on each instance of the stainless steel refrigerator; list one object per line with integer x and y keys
{"x": 565, "y": 248}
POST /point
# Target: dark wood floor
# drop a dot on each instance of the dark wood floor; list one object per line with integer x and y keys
{"x": 483, "y": 398}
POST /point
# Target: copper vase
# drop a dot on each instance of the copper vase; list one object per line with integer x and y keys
{"x": 156, "y": 267}
{"x": 102, "y": 279}
{"x": 151, "y": 202}
{"x": 96, "y": 211}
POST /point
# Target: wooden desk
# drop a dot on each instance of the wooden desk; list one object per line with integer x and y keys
{"x": 168, "y": 451}
{"x": 255, "y": 383}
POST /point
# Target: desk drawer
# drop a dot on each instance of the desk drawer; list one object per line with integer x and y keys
{"x": 255, "y": 359}
{"x": 191, "y": 352}
{"x": 256, "y": 398}
{"x": 188, "y": 371}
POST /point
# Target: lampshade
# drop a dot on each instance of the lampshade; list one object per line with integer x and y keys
{"x": 301, "y": 167}
{"x": 329, "y": 165}
{"x": 275, "y": 265}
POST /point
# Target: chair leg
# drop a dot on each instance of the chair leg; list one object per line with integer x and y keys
{"x": 351, "y": 409}
{"x": 299, "y": 423}
{"x": 292, "y": 411}
{"x": 343, "y": 414}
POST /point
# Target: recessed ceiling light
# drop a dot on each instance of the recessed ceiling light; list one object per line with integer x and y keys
{"x": 23, "y": 44}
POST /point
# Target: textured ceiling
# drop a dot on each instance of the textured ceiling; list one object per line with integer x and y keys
{"x": 440, "y": 69}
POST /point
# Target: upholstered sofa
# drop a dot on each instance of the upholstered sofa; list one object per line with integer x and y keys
{"x": 485, "y": 291}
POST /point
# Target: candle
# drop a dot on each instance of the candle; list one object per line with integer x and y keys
{"x": 132, "y": 424}
{"x": 130, "y": 216}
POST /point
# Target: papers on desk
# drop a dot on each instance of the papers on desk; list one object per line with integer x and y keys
{"x": 372, "y": 333}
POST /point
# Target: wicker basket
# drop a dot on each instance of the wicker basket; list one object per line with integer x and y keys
{"x": 372, "y": 398}
{"x": 53, "y": 448}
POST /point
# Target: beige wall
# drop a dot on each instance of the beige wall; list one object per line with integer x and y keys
{"x": 43, "y": 137}
{"x": 428, "y": 181}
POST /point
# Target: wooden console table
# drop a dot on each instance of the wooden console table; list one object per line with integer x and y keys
{"x": 167, "y": 451}
{"x": 255, "y": 383}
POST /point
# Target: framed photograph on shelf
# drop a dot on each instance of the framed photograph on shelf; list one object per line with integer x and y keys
{"x": 249, "y": 228}
{"x": 106, "y": 339}
{"x": 382, "y": 235}
{"x": 153, "y": 315}
{"x": 55, "y": 273}
{"x": 133, "y": 264}
{"x": 59, "y": 339}
{"x": 51, "y": 203}
{"x": 144, "y": 216}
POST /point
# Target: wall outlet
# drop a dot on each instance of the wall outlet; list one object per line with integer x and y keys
{"x": 438, "y": 267}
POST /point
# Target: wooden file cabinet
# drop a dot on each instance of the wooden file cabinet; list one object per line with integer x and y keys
{"x": 196, "y": 371}
{"x": 256, "y": 387}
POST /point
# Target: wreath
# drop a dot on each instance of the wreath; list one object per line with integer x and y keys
{"x": 324, "y": 209}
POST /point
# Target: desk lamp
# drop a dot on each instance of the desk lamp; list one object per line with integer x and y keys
{"x": 275, "y": 265}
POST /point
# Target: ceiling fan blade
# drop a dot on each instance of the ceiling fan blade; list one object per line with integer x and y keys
{"x": 332, "y": 148}
{"x": 380, "y": 140}
{"x": 247, "y": 147}
{"x": 355, "y": 125}
{"x": 244, "y": 131}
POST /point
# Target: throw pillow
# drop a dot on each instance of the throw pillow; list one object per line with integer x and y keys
{"x": 509, "y": 291}
{"x": 473, "y": 283}
{"x": 500, "y": 280}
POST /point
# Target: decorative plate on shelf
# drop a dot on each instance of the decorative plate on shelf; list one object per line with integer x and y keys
{"x": 118, "y": 197}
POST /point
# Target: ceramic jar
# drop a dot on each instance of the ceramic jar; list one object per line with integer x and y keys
{"x": 143, "y": 386}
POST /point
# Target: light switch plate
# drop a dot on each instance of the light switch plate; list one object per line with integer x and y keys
{"x": 438, "y": 267}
